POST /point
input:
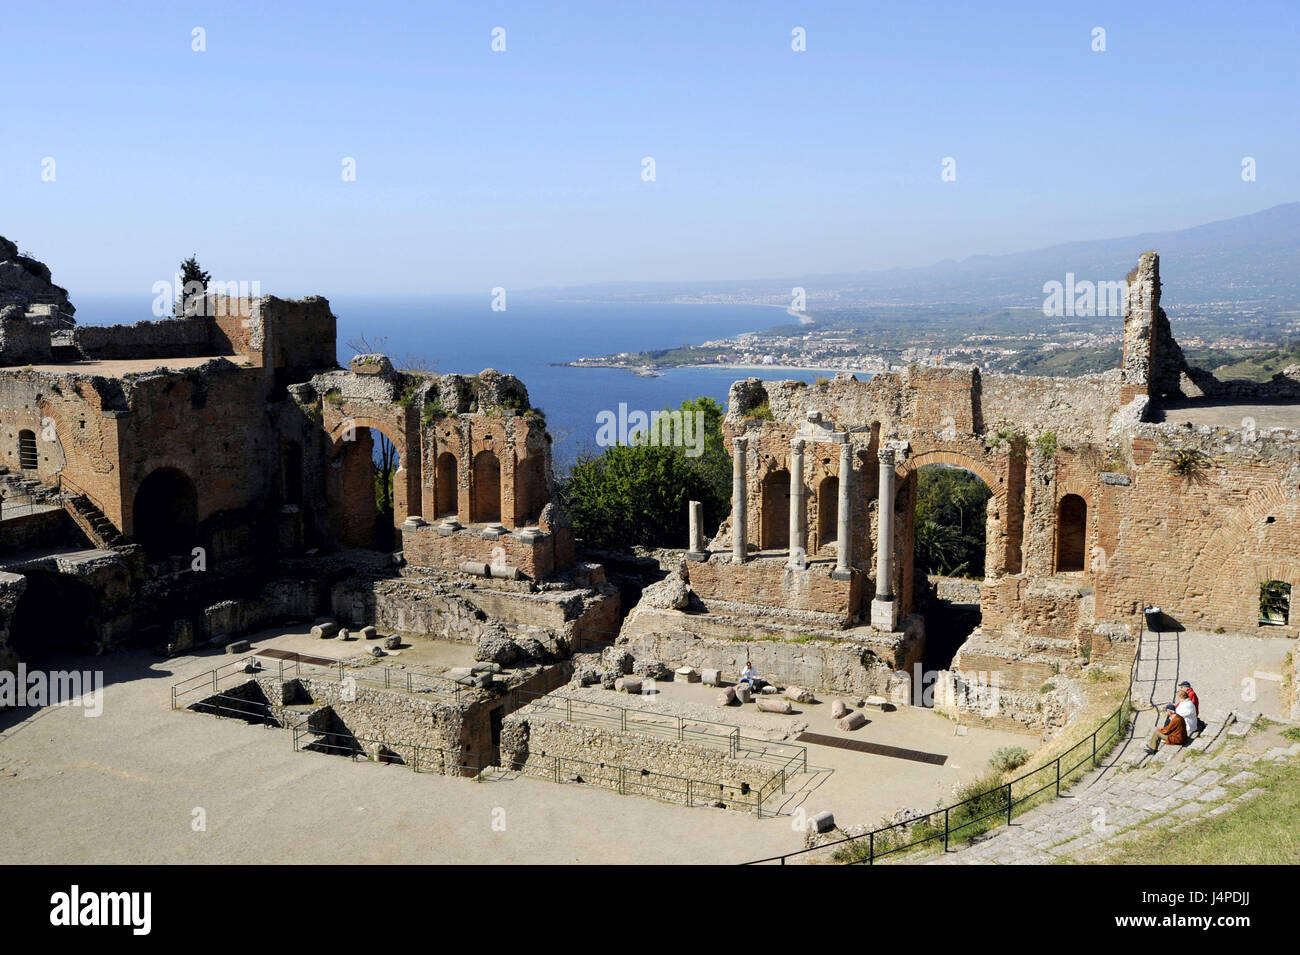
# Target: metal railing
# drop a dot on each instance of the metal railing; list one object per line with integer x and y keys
{"x": 982, "y": 811}
{"x": 627, "y": 781}
{"x": 378, "y": 676}
{"x": 630, "y": 719}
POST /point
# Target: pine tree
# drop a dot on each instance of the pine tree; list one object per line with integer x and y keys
{"x": 191, "y": 273}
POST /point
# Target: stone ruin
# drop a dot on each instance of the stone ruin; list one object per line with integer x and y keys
{"x": 193, "y": 479}
{"x": 1150, "y": 484}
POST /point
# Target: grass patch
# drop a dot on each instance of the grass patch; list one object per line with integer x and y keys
{"x": 1261, "y": 831}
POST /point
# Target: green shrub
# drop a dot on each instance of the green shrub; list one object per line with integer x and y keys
{"x": 1007, "y": 758}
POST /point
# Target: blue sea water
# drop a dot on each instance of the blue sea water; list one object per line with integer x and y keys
{"x": 531, "y": 340}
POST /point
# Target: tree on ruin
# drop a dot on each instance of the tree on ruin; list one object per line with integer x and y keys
{"x": 194, "y": 283}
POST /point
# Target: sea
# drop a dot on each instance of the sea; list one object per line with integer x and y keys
{"x": 533, "y": 339}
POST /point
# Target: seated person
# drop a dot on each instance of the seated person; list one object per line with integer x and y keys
{"x": 750, "y": 675}
{"x": 1185, "y": 708}
{"x": 1196, "y": 702}
{"x": 1174, "y": 731}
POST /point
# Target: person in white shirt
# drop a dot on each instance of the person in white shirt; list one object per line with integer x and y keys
{"x": 749, "y": 675}
{"x": 1187, "y": 710}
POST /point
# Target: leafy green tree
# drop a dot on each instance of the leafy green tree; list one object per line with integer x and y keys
{"x": 637, "y": 494}
{"x": 950, "y": 530}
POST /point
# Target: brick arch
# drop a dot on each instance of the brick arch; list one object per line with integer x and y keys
{"x": 389, "y": 429}
{"x": 1001, "y": 554}
{"x": 408, "y": 466}
{"x": 1287, "y": 571}
{"x": 956, "y": 459}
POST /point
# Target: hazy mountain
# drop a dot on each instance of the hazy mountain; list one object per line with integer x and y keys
{"x": 1253, "y": 257}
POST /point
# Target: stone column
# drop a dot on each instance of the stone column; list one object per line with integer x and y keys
{"x": 798, "y": 509}
{"x": 842, "y": 570}
{"x": 739, "y": 502}
{"x": 696, "y": 514}
{"x": 884, "y": 608}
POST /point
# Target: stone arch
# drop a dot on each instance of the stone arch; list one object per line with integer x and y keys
{"x": 446, "y": 485}
{"x": 774, "y": 530}
{"x": 957, "y": 459}
{"x": 998, "y": 556}
{"x": 406, "y": 482}
{"x": 165, "y": 513}
{"x": 485, "y": 488}
{"x": 828, "y": 509}
{"x": 28, "y": 458}
{"x": 1071, "y": 533}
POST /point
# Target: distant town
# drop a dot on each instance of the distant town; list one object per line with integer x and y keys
{"x": 873, "y": 340}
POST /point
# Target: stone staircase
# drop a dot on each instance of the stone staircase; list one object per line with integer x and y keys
{"x": 1128, "y": 796}
{"x": 98, "y": 528}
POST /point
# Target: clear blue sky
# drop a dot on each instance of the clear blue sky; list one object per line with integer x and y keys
{"x": 523, "y": 168}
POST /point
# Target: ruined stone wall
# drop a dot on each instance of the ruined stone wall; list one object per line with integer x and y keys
{"x": 74, "y": 420}
{"x": 209, "y": 424}
{"x": 703, "y": 642}
{"x": 164, "y": 338}
{"x": 771, "y": 582}
{"x": 532, "y": 553}
{"x": 41, "y": 529}
{"x": 1200, "y": 545}
{"x": 535, "y": 735}
{"x": 22, "y": 341}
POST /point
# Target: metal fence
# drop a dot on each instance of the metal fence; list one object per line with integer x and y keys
{"x": 378, "y": 676}
{"x": 628, "y": 781}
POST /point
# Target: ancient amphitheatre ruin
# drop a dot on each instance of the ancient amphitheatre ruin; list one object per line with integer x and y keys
{"x": 201, "y": 488}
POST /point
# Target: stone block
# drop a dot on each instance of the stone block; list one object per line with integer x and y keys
{"x": 823, "y": 821}
{"x": 711, "y": 677}
{"x": 727, "y": 696}
{"x": 743, "y": 692}
{"x": 325, "y": 629}
{"x": 392, "y": 643}
{"x": 628, "y": 684}
{"x": 838, "y": 710}
{"x": 768, "y": 705}
{"x": 853, "y": 721}
{"x": 686, "y": 675}
{"x": 369, "y": 633}
{"x": 237, "y": 646}
{"x": 799, "y": 694}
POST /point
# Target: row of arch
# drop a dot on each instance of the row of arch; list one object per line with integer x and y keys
{"x": 774, "y": 511}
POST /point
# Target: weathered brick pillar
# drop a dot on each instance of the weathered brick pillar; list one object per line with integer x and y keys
{"x": 843, "y": 522}
{"x": 884, "y": 608}
{"x": 739, "y": 502}
{"x": 798, "y": 515}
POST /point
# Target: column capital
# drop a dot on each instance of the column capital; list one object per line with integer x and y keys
{"x": 887, "y": 456}
{"x": 797, "y": 445}
{"x": 840, "y": 437}
{"x": 740, "y": 442}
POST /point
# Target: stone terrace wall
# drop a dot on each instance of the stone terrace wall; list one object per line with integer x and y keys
{"x": 165, "y": 338}
{"x": 533, "y": 736}
{"x": 845, "y": 667}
